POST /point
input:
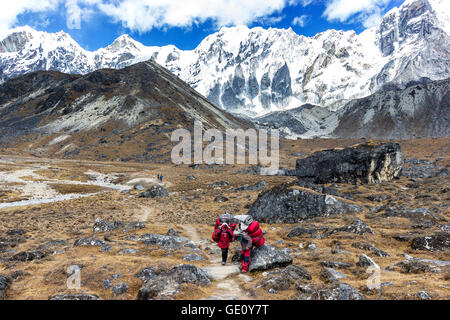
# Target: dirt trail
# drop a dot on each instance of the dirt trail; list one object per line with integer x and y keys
{"x": 226, "y": 279}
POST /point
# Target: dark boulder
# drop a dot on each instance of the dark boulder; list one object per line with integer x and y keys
{"x": 437, "y": 242}
{"x": 331, "y": 275}
{"x": 29, "y": 256}
{"x": 4, "y": 281}
{"x": 258, "y": 186}
{"x": 335, "y": 264}
{"x": 286, "y": 278}
{"x": 166, "y": 284}
{"x": 133, "y": 226}
{"x": 364, "y": 163}
{"x": 369, "y": 247}
{"x": 338, "y": 291}
{"x": 120, "y": 288}
{"x": 300, "y": 231}
{"x": 221, "y": 198}
{"x": 167, "y": 242}
{"x": 75, "y": 297}
{"x": 104, "y": 226}
{"x": 290, "y": 204}
{"x": 155, "y": 192}
{"x": 357, "y": 226}
{"x": 266, "y": 257}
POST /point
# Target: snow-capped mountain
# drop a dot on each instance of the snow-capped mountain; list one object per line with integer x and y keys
{"x": 257, "y": 71}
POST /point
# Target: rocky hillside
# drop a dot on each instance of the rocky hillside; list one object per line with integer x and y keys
{"x": 420, "y": 110}
{"x": 256, "y": 71}
{"x": 126, "y": 114}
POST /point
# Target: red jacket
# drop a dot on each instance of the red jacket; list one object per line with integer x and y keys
{"x": 256, "y": 233}
{"x": 224, "y": 236}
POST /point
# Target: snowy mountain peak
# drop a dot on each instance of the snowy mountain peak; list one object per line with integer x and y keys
{"x": 257, "y": 71}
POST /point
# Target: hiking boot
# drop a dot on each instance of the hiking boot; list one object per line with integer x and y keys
{"x": 224, "y": 263}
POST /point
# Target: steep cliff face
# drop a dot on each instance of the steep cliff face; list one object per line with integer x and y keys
{"x": 256, "y": 71}
{"x": 420, "y": 110}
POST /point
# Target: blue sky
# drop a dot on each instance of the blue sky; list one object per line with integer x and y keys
{"x": 184, "y": 23}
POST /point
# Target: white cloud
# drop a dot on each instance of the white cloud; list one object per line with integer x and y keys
{"x": 78, "y": 10}
{"x": 143, "y": 15}
{"x": 12, "y": 8}
{"x": 301, "y": 20}
{"x": 366, "y": 11}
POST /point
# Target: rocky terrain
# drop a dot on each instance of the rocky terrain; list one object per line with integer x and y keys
{"x": 125, "y": 114}
{"x": 128, "y": 236}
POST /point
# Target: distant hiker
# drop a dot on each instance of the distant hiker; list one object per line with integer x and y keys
{"x": 250, "y": 235}
{"x": 160, "y": 177}
{"x": 224, "y": 235}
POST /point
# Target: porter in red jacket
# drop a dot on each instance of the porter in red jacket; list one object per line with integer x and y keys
{"x": 223, "y": 235}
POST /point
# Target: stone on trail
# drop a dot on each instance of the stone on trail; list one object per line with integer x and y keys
{"x": 267, "y": 257}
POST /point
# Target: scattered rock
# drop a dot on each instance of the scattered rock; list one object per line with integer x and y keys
{"x": 192, "y": 257}
{"x": 4, "y": 281}
{"x": 258, "y": 186}
{"x": 28, "y": 256}
{"x": 104, "y": 226}
{"x": 15, "y": 232}
{"x": 172, "y": 232}
{"x": 128, "y": 251}
{"x": 218, "y": 184}
{"x": 331, "y": 275}
{"x": 106, "y": 284}
{"x": 286, "y": 278}
{"x": 335, "y": 264}
{"x": 146, "y": 273}
{"x": 167, "y": 242}
{"x": 300, "y": 231}
{"x": 120, "y": 288}
{"x": 437, "y": 242}
{"x": 414, "y": 265}
{"x": 80, "y": 296}
{"x": 365, "y": 261}
{"x": 156, "y": 191}
{"x": 422, "y": 295}
{"x": 291, "y": 204}
{"x": 339, "y": 291}
{"x": 371, "y": 248}
{"x": 90, "y": 242}
{"x": 133, "y": 226}
{"x": 138, "y": 187}
{"x": 221, "y": 199}
{"x": 166, "y": 284}
{"x": 364, "y": 163}
{"x": 357, "y": 226}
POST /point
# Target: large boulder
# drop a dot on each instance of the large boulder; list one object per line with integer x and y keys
{"x": 290, "y": 204}
{"x": 3, "y": 284}
{"x": 267, "y": 257}
{"x": 335, "y": 291}
{"x": 80, "y": 296}
{"x": 156, "y": 191}
{"x": 437, "y": 242}
{"x": 164, "y": 285}
{"x": 364, "y": 163}
{"x": 165, "y": 241}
